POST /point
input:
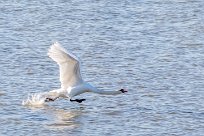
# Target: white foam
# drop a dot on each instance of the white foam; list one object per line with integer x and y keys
{"x": 34, "y": 100}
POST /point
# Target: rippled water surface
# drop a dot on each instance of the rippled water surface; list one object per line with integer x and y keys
{"x": 154, "y": 48}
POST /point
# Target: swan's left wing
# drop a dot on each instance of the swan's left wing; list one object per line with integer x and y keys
{"x": 69, "y": 66}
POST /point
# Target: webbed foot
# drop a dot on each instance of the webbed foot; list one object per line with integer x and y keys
{"x": 78, "y": 100}
{"x": 49, "y": 99}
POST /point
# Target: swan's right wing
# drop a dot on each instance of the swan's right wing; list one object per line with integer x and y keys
{"x": 69, "y": 66}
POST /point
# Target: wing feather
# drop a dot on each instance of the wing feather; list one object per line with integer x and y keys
{"x": 69, "y": 65}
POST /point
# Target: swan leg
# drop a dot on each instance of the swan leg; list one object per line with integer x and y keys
{"x": 78, "y": 100}
{"x": 49, "y": 99}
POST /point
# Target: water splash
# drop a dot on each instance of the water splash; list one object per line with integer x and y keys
{"x": 34, "y": 100}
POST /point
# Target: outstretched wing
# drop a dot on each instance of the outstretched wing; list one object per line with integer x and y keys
{"x": 69, "y": 66}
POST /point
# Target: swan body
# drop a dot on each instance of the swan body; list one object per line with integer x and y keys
{"x": 71, "y": 80}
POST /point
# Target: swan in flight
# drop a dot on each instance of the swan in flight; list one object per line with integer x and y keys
{"x": 71, "y": 80}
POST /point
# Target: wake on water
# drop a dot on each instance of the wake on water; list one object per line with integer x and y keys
{"x": 35, "y": 99}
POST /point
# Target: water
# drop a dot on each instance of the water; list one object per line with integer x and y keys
{"x": 154, "y": 48}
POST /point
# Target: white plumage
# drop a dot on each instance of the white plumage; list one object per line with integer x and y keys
{"x": 71, "y": 80}
{"x": 69, "y": 66}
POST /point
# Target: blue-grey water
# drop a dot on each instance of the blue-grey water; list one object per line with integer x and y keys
{"x": 153, "y": 48}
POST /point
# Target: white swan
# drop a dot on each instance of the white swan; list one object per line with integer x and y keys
{"x": 72, "y": 83}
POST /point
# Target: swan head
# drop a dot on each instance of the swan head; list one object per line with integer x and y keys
{"x": 123, "y": 90}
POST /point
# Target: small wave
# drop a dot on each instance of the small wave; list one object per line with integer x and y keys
{"x": 34, "y": 100}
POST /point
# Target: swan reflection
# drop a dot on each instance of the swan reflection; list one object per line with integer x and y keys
{"x": 64, "y": 118}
